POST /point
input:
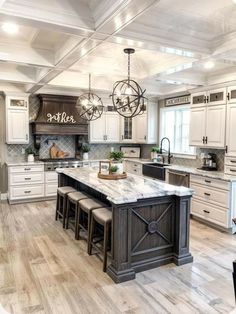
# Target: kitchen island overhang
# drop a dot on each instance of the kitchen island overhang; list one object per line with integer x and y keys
{"x": 150, "y": 220}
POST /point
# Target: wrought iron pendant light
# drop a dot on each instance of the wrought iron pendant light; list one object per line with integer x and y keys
{"x": 89, "y": 105}
{"x": 127, "y": 96}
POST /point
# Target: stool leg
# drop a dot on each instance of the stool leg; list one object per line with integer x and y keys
{"x": 90, "y": 235}
{"x": 89, "y": 228}
{"x": 64, "y": 211}
{"x": 57, "y": 206}
{"x": 77, "y": 223}
{"x": 105, "y": 246}
{"x": 68, "y": 204}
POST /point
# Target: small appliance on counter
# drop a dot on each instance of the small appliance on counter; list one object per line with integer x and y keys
{"x": 209, "y": 162}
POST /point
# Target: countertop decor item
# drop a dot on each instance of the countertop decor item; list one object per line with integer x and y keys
{"x": 127, "y": 96}
{"x": 30, "y": 154}
{"x": 85, "y": 149}
{"x": 89, "y": 105}
{"x": 117, "y": 160}
{"x": 109, "y": 170}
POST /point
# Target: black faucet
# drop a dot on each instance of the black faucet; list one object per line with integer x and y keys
{"x": 161, "y": 149}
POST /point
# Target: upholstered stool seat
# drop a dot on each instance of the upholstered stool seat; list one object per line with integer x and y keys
{"x": 86, "y": 206}
{"x": 103, "y": 217}
{"x": 62, "y": 193}
{"x": 72, "y": 203}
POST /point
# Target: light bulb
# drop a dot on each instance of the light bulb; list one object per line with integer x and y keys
{"x": 10, "y": 28}
{"x": 95, "y": 103}
{"x": 84, "y": 102}
{"x": 128, "y": 91}
{"x": 118, "y": 93}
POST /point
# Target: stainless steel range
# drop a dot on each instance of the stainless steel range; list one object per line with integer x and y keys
{"x": 52, "y": 164}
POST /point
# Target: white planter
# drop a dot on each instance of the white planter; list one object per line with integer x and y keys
{"x": 85, "y": 156}
{"x": 30, "y": 158}
{"x": 120, "y": 166}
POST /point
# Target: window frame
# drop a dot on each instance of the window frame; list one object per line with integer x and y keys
{"x": 171, "y": 108}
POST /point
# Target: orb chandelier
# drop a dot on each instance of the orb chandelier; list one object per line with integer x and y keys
{"x": 127, "y": 96}
{"x": 89, "y": 105}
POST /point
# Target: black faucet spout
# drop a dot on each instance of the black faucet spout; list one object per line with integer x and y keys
{"x": 161, "y": 149}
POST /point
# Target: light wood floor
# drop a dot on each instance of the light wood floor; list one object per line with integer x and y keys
{"x": 44, "y": 270}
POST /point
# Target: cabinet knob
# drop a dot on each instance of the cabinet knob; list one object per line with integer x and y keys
{"x": 206, "y": 211}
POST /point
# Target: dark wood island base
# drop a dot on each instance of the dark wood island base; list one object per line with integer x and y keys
{"x": 146, "y": 234}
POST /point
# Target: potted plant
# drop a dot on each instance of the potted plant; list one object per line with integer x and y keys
{"x": 113, "y": 169}
{"x": 154, "y": 152}
{"x": 85, "y": 150}
{"x": 30, "y": 154}
{"x": 117, "y": 158}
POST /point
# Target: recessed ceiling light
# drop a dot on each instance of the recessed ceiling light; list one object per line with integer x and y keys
{"x": 10, "y": 28}
{"x": 209, "y": 64}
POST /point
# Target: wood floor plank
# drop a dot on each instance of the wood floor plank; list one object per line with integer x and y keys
{"x": 44, "y": 270}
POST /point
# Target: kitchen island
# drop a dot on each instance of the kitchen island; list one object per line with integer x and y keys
{"x": 150, "y": 220}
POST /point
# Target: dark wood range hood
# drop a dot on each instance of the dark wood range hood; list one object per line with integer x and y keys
{"x": 58, "y": 116}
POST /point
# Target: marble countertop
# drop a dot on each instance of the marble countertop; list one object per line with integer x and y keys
{"x": 209, "y": 174}
{"x": 126, "y": 190}
{"x": 23, "y": 163}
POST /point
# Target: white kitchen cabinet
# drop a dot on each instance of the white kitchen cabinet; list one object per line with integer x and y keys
{"x": 141, "y": 128}
{"x": 17, "y": 120}
{"x": 215, "y": 126}
{"x": 127, "y": 130}
{"x": 198, "y": 99}
{"x": 207, "y": 126}
{"x": 230, "y": 130}
{"x": 212, "y": 200}
{"x": 231, "y": 94}
{"x": 217, "y": 96}
{"x": 105, "y": 129}
{"x": 197, "y": 126}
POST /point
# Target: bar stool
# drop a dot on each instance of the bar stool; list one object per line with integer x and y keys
{"x": 86, "y": 206}
{"x": 62, "y": 200}
{"x": 72, "y": 199}
{"x": 102, "y": 216}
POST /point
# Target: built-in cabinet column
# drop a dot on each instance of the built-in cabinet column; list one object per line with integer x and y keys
{"x": 17, "y": 119}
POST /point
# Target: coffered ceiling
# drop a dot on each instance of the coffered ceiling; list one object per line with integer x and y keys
{"x": 59, "y": 42}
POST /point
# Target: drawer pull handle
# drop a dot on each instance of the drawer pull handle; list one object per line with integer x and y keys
{"x": 233, "y": 161}
{"x": 206, "y": 211}
{"x": 27, "y": 192}
{"x": 207, "y": 194}
{"x": 232, "y": 170}
{"x": 207, "y": 181}
{"x": 27, "y": 169}
{"x": 27, "y": 178}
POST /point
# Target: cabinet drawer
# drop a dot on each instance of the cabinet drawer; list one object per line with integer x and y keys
{"x": 216, "y": 196}
{"x": 25, "y": 178}
{"x": 51, "y": 176}
{"x": 27, "y": 191}
{"x": 51, "y": 189}
{"x": 26, "y": 169}
{"x": 215, "y": 183}
{"x": 230, "y": 161}
{"x": 212, "y": 213}
{"x": 230, "y": 170}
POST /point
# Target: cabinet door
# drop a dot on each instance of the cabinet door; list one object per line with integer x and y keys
{"x": 231, "y": 94}
{"x": 197, "y": 126}
{"x": 217, "y": 97}
{"x": 112, "y": 128}
{"x": 17, "y": 126}
{"x": 141, "y": 128}
{"x": 98, "y": 130}
{"x": 215, "y": 126}
{"x": 230, "y": 132}
{"x": 127, "y": 130}
{"x": 198, "y": 99}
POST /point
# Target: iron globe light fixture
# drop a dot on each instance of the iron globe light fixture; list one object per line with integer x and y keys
{"x": 89, "y": 105}
{"x": 127, "y": 96}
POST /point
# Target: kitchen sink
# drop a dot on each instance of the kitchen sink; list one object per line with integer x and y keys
{"x": 155, "y": 170}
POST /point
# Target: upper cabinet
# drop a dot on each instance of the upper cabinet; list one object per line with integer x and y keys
{"x": 105, "y": 129}
{"x": 127, "y": 130}
{"x": 230, "y": 130}
{"x": 208, "y": 119}
{"x": 231, "y": 94}
{"x": 17, "y": 119}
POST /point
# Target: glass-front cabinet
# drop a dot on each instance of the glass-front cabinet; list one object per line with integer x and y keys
{"x": 127, "y": 130}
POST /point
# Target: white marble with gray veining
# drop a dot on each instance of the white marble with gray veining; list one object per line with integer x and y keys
{"x": 23, "y": 163}
{"x": 126, "y": 190}
{"x": 209, "y": 174}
